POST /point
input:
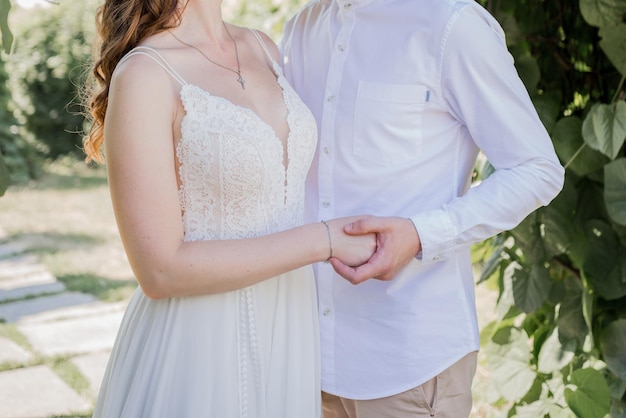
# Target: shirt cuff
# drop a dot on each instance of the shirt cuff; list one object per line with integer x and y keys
{"x": 436, "y": 235}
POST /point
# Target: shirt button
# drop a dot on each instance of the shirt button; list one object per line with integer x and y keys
{"x": 340, "y": 48}
{"x": 325, "y": 150}
{"x": 330, "y": 98}
{"x": 326, "y": 312}
{"x": 326, "y": 203}
{"x": 347, "y": 5}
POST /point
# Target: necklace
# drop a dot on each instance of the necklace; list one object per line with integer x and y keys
{"x": 237, "y": 71}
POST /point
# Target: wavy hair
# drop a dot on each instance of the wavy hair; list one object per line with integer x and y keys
{"x": 121, "y": 26}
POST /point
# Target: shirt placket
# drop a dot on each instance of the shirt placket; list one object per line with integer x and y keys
{"x": 327, "y": 145}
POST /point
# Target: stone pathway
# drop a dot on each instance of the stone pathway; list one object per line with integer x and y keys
{"x": 53, "y": 326}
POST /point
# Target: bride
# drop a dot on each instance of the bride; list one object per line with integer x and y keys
{"x": 207, "y": 148}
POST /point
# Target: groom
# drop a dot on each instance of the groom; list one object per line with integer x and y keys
{"x": 406, "y": 93}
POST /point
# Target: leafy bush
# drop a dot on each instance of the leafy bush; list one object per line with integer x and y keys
{"x": 12, "y": 157}
{"x": 50, "y": 60}
{"x": 558, "y": 347}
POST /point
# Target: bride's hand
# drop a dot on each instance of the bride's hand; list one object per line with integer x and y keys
{"x": 352, "y": 250}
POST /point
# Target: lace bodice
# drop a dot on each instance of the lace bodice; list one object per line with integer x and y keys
{"x": 234, "y": 183}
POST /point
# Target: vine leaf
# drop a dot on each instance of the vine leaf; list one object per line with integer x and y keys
{"x": 587, "y": 394}
{"x": 531, "y": 289}
{"x": 602, "y": 13}
{"x": 571, "y": 320}
{"x": 571, "y": 148}
{"x": 613, "y": 343}
{"x": 612, "y": 43}
{"x": 510, "y": 364}
{"x": 615, "y": 190}
{"x": 604, "y": 128}
{"x": 554, "y": 356}
{"x": 601, "y": 266}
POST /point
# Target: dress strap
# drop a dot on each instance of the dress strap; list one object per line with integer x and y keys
{"x": 156, "y": 57}
{"x": 267, "y": 52}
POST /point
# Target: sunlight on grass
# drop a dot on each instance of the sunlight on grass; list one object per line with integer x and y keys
{"x": 10, "y": 332}
{"x": 70, "y": 374}
{"x": 104, "y": 289}
{"x": 66, "y": 220}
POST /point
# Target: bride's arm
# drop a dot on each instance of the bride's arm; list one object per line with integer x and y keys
{"x": 143, "y": 107}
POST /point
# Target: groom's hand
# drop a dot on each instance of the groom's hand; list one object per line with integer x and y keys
{"x": 397, "y": 243}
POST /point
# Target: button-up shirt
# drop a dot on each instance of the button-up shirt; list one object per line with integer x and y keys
{"x": 406, "y": 93}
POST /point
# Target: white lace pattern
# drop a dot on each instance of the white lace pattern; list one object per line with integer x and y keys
{"x": 233, "y": 180}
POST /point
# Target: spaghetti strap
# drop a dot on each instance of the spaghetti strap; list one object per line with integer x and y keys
{"x": 156, "y": 57}
{"x": 267, "y": 52}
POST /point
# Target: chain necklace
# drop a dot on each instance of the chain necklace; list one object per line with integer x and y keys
{"x": 237, "y": 71}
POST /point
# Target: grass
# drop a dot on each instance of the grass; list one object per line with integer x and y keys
{"x": 66, "y": 220}
{"x": 66, "y": 370}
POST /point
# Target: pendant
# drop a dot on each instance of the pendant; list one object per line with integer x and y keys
{"x": 241, "y": 81}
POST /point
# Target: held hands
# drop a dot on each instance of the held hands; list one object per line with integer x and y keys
{"x": 352, "y": 250}
{"x": 397, "y": 243}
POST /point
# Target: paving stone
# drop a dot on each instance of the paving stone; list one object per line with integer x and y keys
{"x": 23, "y": 309}
{"x": 11, "y": 249}
{"x": 36, "y": 392}
{"x": 23, "y": 276}
{"x": 92, "y": 366}
{"x": 75, "y": 330}
{"x": 11, "y": 352}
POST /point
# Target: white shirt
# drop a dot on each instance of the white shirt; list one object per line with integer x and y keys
{"x": 405, "y": 93}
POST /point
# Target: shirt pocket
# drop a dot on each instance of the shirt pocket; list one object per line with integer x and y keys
{"x": 388, "y": 122}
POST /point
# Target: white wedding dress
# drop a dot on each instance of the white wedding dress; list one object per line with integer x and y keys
{"x": 247, "y": 353}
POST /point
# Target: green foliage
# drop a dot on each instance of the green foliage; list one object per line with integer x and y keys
{"x": 7, "y": 39}
{"x": 48, "y": 65}
{"x": 265, "y": 15}
{"x": 7, "y": 36}
{"x": 558, "y": 347}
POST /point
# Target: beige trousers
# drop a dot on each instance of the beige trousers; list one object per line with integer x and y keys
{"x": 448, "y": 395}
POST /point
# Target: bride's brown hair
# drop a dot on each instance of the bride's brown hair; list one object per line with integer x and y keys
{"x": 121, "y": 25}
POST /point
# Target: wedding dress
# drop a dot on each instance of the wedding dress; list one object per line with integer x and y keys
{"x": 249, "y": 353}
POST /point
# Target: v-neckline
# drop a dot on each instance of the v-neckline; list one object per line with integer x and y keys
{"x": 285, "y": 145}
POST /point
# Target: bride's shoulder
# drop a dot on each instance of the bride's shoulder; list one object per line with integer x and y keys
{"x": 253, "y": 37}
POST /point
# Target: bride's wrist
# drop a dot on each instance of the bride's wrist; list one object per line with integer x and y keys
{"x": 330, "y": 239}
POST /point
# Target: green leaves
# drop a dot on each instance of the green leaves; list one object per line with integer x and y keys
{"x": 602, "y": 265}
{"x": 587, "y": 394}
{"x": 604, "y": 128}
{"x": 614, "y": 347}
{"x": 509, "y": 363}
{"x": 554, "y": 356}
{"x": 612, "y": 43}
{"x": 7, "y": 40}
{"x": 559, "y": 346}
{"x": 608, "y": 15}
{"x": 572, "y": 149}
{"x": 601, "y": 13}
{"x": 615, "y": 190}
{"x": 531, "y": 289}
{"x": 4, "y": 176}
{"x": 7, "y": 36}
